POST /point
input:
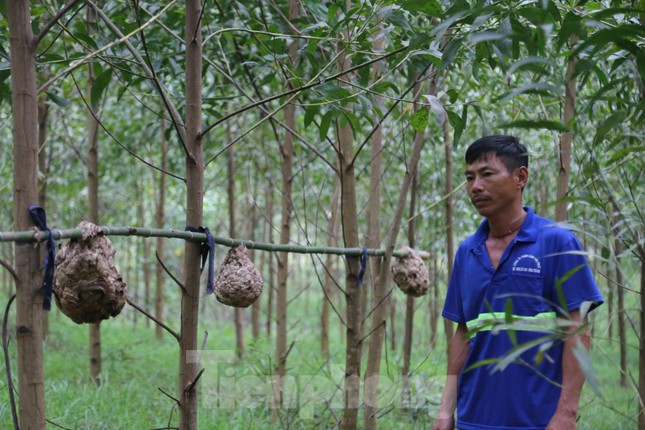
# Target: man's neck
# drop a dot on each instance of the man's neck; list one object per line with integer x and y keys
{"x": 506, "y": 224}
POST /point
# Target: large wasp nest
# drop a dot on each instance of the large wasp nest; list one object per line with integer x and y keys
{"x": 239, "y": 282}
{"x": 411, "y": 274}
{"x": 88, "y": 288}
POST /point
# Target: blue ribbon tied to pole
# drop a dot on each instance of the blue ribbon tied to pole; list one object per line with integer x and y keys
{"x": 207, "y": 252}
{"x": 40, "y": 219}
{"x": 363, "y": 266}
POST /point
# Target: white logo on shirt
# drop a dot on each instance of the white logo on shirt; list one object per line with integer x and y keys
{"x": 527, "y": 263}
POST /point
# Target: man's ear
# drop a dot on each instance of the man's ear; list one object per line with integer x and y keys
{"x": 521, "y": 175}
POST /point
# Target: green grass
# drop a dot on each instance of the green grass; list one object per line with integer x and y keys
{"x": 238, "y": 394}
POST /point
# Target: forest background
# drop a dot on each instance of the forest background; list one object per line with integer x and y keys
{"x": 312, "y": 123}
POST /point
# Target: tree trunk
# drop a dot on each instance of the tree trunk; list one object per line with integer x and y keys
{"x": 238, "y": 318}
{"x": 145, "y": 251}
{"x": 609, "y": 302}
{"x": 450, "y": 228}
{"x": 381, "y": 294}
{"x": 43, "y": 114}
{"x": 330, "y": 263}
{"x": 29, "y": 300}
{"x": 285, "y": 233}
{"x": 270, "y": 257}
{"x": 373, "y": 240}
{"x": 253, "y": 221}
{"x": 354, "y": 314}
{"x": 641, "y": 355}
{"x": 409, "y": 304}
{"x": 434, "y": 303}
{"x": 622, "y": 331}
{"x": 564, "y": 150}
{"x": 93, "y": 202}
{"x": 161, "y": 221}
{"x": 187, "y": 395}
{"x": 353, "y": 296}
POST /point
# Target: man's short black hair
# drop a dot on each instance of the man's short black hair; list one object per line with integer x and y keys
{"x": 507, "y": 148}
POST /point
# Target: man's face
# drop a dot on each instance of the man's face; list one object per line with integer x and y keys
{"x": 491, "y": 188}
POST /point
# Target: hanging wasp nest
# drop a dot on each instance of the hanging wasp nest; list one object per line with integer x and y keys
{"x": 411, "y": 274}
{"x": 239, "y": 282}
{"x": 88, "y": 288}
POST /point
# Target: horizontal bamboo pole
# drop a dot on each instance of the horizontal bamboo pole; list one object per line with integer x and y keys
{"x": 75, "y": 233}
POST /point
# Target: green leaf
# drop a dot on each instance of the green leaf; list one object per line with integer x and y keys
{"x": 325, "y": 122}
{"x": 60, "y": 101}
{"x": 310, "y": 114}
{"x": 486, "y": 36}
{"x": 458, "y": 123}
{"x": 624, "y": 153}
{"x": 450, "y": 52}
{"x": 332, "y": 91}
{"x": 100, "y": 84}
{"x": 429, "y": 7}
{"x": 535, "y": 64}
{"x": 536, "y": 125}
{"x": 559, "y": 282}
{"x": 609, "y": 124}
{"x": 532, "y": 88}
{"x": 419, "y": 120}
{"x": 508, "y": 319}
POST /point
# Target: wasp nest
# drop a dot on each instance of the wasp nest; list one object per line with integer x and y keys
{"x": 411, "y": 274}
{"x": 88, "y": 288}
{"x": 239, "y": 282}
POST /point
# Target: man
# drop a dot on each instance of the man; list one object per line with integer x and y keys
{"x": 511, "y": 280}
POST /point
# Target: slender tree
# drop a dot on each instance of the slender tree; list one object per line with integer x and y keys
{"x": 373, "y": 240}
{"x": 285, "y": 229}
{"x": 410, "y": 302}
{"x": 43, "y": 116}
{"x": 238, "y": 318}
{"x": 194, "y": 218}
{"x": 328, "y": 284}
{"x": 161, "y": 221}
{"x": 93, "y": 197}
{"x": 29, "y": 302}
{"x": 564, "y": 149}
{"x": 349, "y": 223}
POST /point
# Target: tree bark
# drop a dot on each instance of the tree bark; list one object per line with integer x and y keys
{"x": 145, "y": 251}
{"x": 238, "y": 319}
{"x": 29, "y": 298}
{"x": 450, "y": 228}
{"x": 93, "y": 200}
{"x": 373, "y": 240}
{"x": 187, "y": 395}
{"x": 409, "y": 304}
{"x": 253, "y": 221}
{"x": 354, "y": 314}
{"x": 622, "y": 331}
{"x": 353, "y": 296}
{"x": 270, "y": 257}
{"x": 434, "y": 303}
{"x": 161, "y": 221}
{"x": 564, "y": 149}
{"x": 328, "y": 285}
{"x": 381, "y": 294}
{"x": 641, "y": 355}
{"x": 285, "y": 233}
{"x": 43, "y": 115}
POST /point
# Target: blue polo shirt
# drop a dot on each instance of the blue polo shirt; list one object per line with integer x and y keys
{"x": 541, "y": 275}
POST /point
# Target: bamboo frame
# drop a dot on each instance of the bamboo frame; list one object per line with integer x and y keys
{"x": 75, "y": 233}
